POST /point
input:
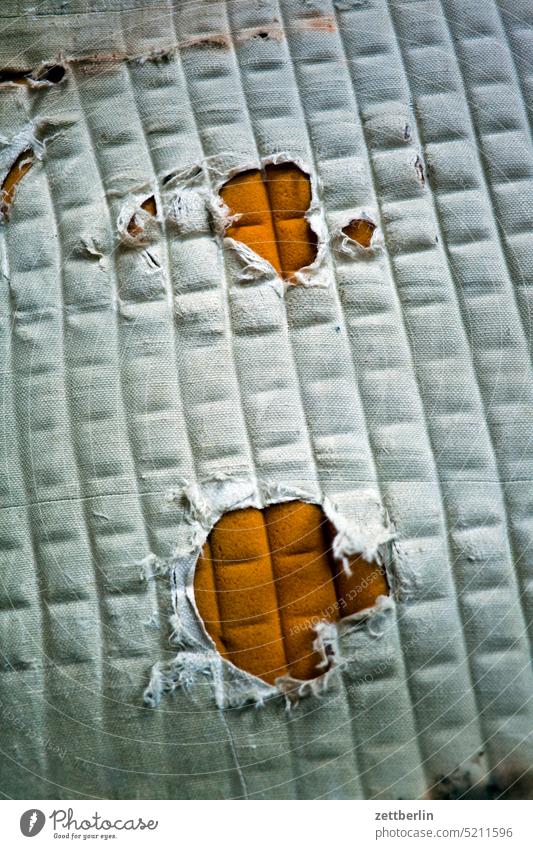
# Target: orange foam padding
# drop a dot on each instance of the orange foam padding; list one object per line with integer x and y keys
{"x": 249, "y": 628}
{"x": 359, "y": 590}
{"x": 271, "y": 205}
{"x": 360, "y": 230}
{"x": 20, "y": 167}
{"x": 149, "y": 206}
{"x": 305, "y": 591}
{"x": 264, "y": 580}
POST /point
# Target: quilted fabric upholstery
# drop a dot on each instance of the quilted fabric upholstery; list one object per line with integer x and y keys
{"x": 398, "y": 382}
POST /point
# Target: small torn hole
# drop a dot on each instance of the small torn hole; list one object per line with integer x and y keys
{"x": 151, "y": 260}
{"x": 267, "y": 579}
{"x": 52, "y": 74}
{"x": 217, "y": 40}
{"x": 149, "y": 205}
{"x": 135, "y": 226}
{"x": 420, "y": 171}
{"x": 360, "y": 230}
{"x": 268, "y": 214}
{"x": 183, "y": 175}
{"x": 20, "y": 167}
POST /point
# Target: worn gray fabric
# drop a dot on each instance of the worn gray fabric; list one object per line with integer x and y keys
{"x": 140, "y": 376}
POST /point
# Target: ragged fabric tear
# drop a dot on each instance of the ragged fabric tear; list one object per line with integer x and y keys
{"x": 90, "y": 247}
{"x": 204, "y": 503}
{"x": 151, "y": 567}
{"x": 45, "y": 75}
{"x": 355, "y": 538}
{"x": 294, "y": 691}
{"x": 346, "y": 246}
{"x": 318, "y": 272}
{"x": 136, "y": 225}
{"x": 249, "y": 266}
{"x": 328, "y": 634}
{"x": 35, "y": 136}
{"x": 184, "y": 671}
{"x": 19, "y": 152}
{"x": 187, "y": 200}
{"x": 329, "y": 644}
{"x": 188, "y": 668}
{"x": 207, "y": 500}
{"x": 192, "y": 205}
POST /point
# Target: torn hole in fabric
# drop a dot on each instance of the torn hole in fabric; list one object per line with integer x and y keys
{"x": 90, "y": 247}
{"x": 193, "y": 205}
{"x": 271, "y": 237}
{"x": 19, "y": 168}
{"x": 187, "y": 200}
{"x": 268, "y": 209}
{"x": 199, "y": 656}
{"x": 271, "y": 32}
{"x": 45, "y": 75}
{"x": 357, "y": 235}
{"x": 138, "y": 222}
{"x": 19, "y": 153}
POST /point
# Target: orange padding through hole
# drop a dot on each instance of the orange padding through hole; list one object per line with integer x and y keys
{"x": 360, "y": 230}
{"x": 149, "y": 206}
{"x": 271, "y": 205}
{"x": 265, "y": 578}
{"x": 20, "y": 167}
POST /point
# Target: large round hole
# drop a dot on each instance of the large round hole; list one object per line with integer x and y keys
{"x": 266, "y": 578}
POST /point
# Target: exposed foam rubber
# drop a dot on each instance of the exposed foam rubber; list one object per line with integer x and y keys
{"x": 271, "y": 206}
{"x": 265, "y": 578}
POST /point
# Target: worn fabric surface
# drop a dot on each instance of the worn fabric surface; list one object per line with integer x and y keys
{"x": 395, "y": 382}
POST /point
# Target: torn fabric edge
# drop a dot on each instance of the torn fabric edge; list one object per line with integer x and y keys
{"x": 348, "y": 247}
{"x": 33, "y": 78}
{"x": 90, "y": 247}
{"x": 184, "y": 210}
{"x": 186, "y": 201}
{"x": 204, "y": 504}
{"x": 319, "y": 272}
{"x": 329, "y": 644}
{"x": 145, "y": 228}
{"x": 119, "y": 52}
{"x": 33, "y": 137}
